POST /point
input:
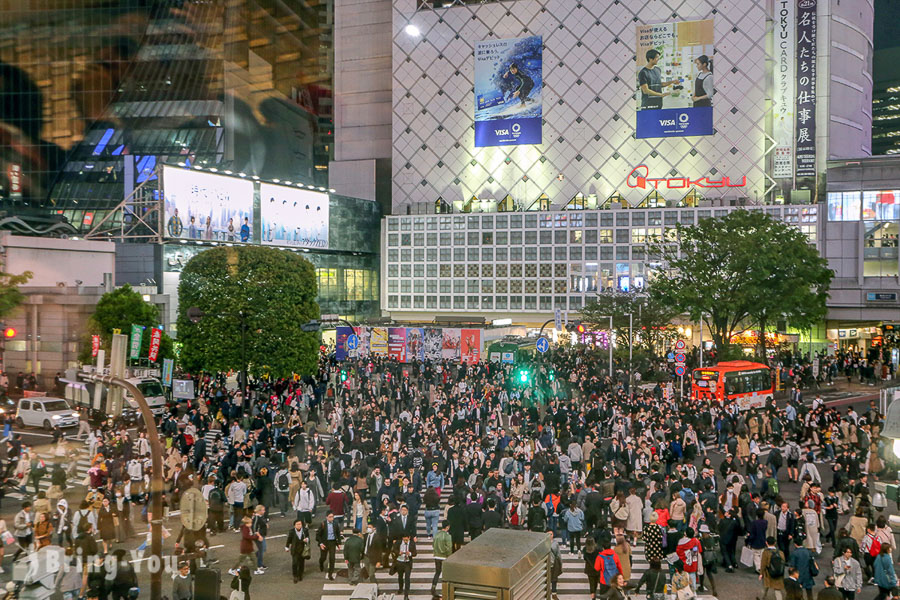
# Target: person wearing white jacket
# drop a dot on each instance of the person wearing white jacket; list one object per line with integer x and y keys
{"x": 304, "y": 503}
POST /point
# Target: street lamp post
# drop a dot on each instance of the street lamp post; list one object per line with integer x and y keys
{"x": 156, "y": 476}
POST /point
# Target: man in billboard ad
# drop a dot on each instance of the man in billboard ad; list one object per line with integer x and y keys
{"x": 675, "y": 85}
{"x": 204, "y": 206}
{"x": 508, "y": 80}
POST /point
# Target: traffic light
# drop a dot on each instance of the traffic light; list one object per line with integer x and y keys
{"x": 551, "y": 375}
{"x": 343, "y": 375}
{"x": 9, "y": 333}
{"x": 524, "y": 376}
{"x": 580, "y": 328}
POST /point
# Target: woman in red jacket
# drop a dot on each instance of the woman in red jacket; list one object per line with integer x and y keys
{"x": 248, "y": 551}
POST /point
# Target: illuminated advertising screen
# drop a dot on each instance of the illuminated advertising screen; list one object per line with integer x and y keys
{"x": 293, "y": 216}
{"x": 508, "y": 82}
{"x": 675, "y": 81}
{"x": 205, "y": 206}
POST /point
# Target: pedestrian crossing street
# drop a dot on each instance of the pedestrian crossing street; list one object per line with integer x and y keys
{"x": 83, "y": 463}
{"x": 572, "y": 585}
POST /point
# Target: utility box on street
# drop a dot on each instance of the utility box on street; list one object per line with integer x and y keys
{"x": 500, "y": 564}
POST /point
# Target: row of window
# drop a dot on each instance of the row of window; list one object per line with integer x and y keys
{"x": 543, "y": 303}
{"x": 347, "y": 284}
{"x": 868, "y": 206}
{"x": 579, "y": 219}
{"x": 637, "y": 235}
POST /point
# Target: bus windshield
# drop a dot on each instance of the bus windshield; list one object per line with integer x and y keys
{"x": 747, "y": 382}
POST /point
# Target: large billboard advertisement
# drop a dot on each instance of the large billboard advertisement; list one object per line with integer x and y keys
{"x": 204, "y": 206}
{"x": 397, "y": 343}
{"x": 470, "y": 342}
{"x": 293, "y": 217}
{"x": 675, "y": 85}
{"x": 783, "y": 89}
{"x": 805, "y": 128}
{"x": 508, "y": 83}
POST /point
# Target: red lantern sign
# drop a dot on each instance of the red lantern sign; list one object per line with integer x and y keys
{"x": 95, "y": 345}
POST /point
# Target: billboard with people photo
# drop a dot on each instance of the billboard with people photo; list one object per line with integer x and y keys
{"x": 508, "y": 82}
{"x": 675, "y": 82}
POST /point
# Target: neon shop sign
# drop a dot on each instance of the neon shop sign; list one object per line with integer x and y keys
{"x": 640, "y": 178}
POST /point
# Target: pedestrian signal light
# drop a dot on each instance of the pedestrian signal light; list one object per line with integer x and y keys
{"x": 580, "y": 328}
{"x": 523, "y": 376}
{"x": 9, "y": 332}
{"x": 552, "y": 375}
{"x": 343, "y": 375}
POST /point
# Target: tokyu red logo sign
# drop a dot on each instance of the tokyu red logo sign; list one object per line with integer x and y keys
{"x": 640, "y": 178}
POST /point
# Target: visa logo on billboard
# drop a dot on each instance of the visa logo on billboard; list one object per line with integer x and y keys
{"x": 503, "y": 132}
{"x": 675, "y": 122}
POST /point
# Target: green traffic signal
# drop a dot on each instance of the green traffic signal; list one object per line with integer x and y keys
{"x": 343, "y": 375}
{"x": 552, "y": 375}
{"x": 523, "y": 376}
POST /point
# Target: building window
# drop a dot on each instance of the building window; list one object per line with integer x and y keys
{"x": 638, "y": 219}
{"x": 515, "y": 238}
{"x": 502, "y": 238}
{"x": 502, "y": 254}
{"x": 546, "y": 253}
{"x": 472, "y": 302}
{"x": 575, "y": 253}
{"x": 459, "y": 254}
{"x": 515, "y": 286}
{"x": 546, "y": 303}
{"x": 473, "y": 238}
{"x": 502, "y": 287}
{"x": 472, "y": 255}
{"x": 419, "y": 302}
{"x": 405, "y": 286}
{"x": 530, "y": 238}
{"x": 328, "y": 283}
{"x": 638, "y": 236}
{"x": 405, "y": 239}
{"x": 590, "y": 236}
{"x": 502, "y": 222}
{"x": 515, "y": 254}
{"x": 405, "y": 270}
{"x": 530, "y": 303}
{"x": 590, "y": 253}
{"x": 487, "y": 254}
{"x": 880, "y": 251}
{"x": 445, "y": 302}
{"x": 881, "y": 206}
{"x": 431, "y": 302}
{"x": 500, "y": 303}
{"x": 559, "y": 253}
{"x": 515, "y": 221}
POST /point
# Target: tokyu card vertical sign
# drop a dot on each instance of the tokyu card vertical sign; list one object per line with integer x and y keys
{"x": 508, "y": 83}
{"x": 783, "y": 88}
{"x": 137, "y": 334}
{"x": 155, "y": 338}
{"x": 805, "y": 128}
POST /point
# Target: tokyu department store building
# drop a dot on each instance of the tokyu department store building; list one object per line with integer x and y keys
{"x": 536, "y": 146}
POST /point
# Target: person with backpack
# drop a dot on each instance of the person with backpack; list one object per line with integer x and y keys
{"x": 282, "y": 490}
{"x": 215, "y": 499}
{"x": 771, "y": 570}
{"x": 807, "y": 569}
{"x": 690, "y": 552}
{"x": 607, "y": 566}
{"x": 793, "y": 460}
{"x": 870, "y": 549}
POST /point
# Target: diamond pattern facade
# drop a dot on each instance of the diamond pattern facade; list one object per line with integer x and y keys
{"x": 589, "y": 106}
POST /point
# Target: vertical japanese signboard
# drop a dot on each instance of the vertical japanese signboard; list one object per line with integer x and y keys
{"x": 783, "y": 88}
{"x": 137, "y": 335}
{"x": 168, "y": 368}
{"x": 805, "y": 130}
{"x": 155, "y": 338}
{"x": 95, "y": 345}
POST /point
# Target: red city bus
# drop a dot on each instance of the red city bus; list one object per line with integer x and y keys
{"x": 747, "y": 383}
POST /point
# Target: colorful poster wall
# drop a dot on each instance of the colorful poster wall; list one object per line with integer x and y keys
{"x": 378, "y": 342}
{"x": 675, "y": 84}
{"x": 508, "y": 84}
{"x": 433, "y": 342}
{"x": 397, "y": 343}
{"x": 415, "y": 344}
{"x": 470, "y": 342}
{"x": 410, "y": 344}
{"x": 341, "y": 351}
{"x": 450, "y": 344}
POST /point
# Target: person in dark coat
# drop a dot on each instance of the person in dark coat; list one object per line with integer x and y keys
{"x": 297, "y": 544}
{"x": 802, "y": 559}
{"x": 492, "y": 517}
{"x": 456, "y": 516}
{"x": 792, "y": 588}
{"x": 474, "y": 516}
{"x": 729, "y": 530}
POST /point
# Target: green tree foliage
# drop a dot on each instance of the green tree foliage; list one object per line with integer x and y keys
{"x": 275, "y": 289}
{"x": 650, "y": 318}
{"x": 120, "y": 309}
{"x": 743, "y": 270}
{"x": 10, "y": 295}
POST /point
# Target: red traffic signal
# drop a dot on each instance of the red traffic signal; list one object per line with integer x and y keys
{"x": 580, "y": 328}
{"x": 9, "y": 332}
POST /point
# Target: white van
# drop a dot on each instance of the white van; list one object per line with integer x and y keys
{"x": 44, "y": 411}
{"x": 153, "y": 393}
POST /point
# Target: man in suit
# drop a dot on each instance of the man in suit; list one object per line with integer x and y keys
{"x": 784, "y": 529}
{"x": 473, "y": 516}
{"x": 491, "y": 517}
{"x": 830, "y": 592}
{"x": 373, "y": 547}
{"x": 792, "y": 588}
{"x": 297, "y": 543}
{"x": 329, "y": 537}
{"x": 403, "y": 553}
{"x": 729, "y": 530}
{"x": 456, "y": 516}
{"x": 403, "y": 524}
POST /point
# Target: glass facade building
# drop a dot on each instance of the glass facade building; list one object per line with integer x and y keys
{"x": 97, "y": 93}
